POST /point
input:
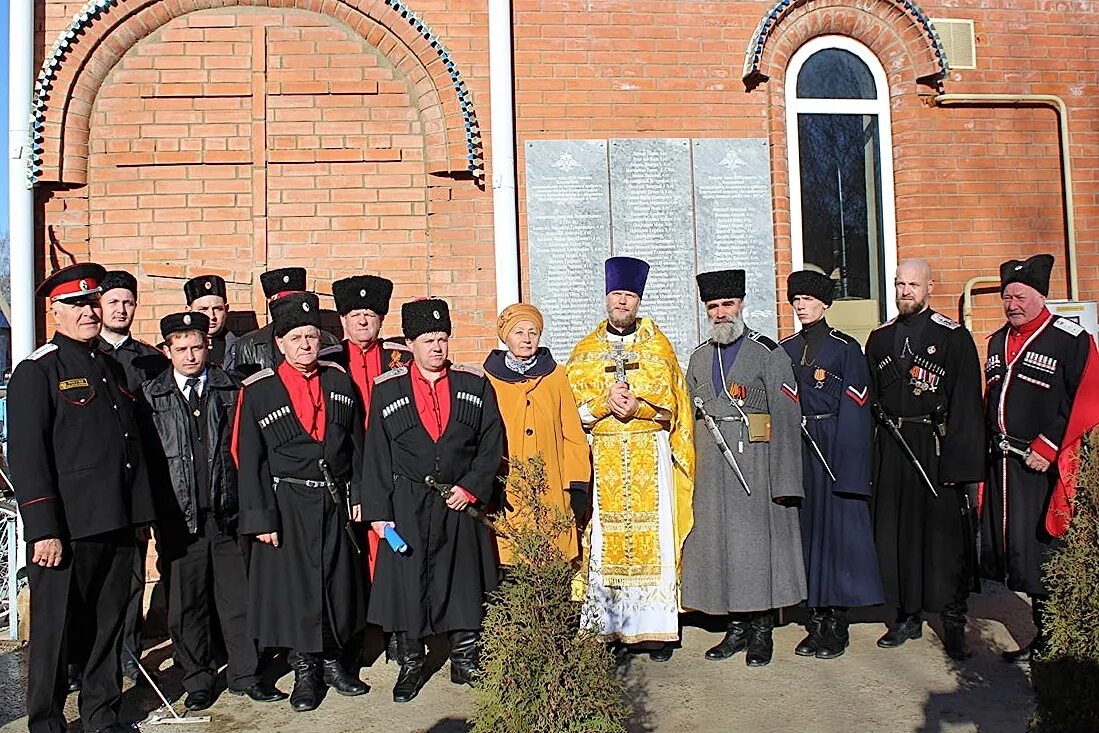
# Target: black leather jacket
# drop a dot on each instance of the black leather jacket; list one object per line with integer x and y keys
{"x": 173, "y": 465}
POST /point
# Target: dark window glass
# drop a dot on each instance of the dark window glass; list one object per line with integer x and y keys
{"x": 842, "y": 229}
{"x": 833, "y": 73}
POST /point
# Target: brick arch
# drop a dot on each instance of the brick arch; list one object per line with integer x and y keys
{"x": 897, "y": 31}
{"x": 76, "y": 66}
{"x": 913, "y": 71}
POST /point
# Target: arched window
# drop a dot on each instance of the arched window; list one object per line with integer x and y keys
{"x": 842, "y": 215}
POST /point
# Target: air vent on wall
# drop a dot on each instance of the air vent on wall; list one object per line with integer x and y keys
{"x": 958, "y": 41}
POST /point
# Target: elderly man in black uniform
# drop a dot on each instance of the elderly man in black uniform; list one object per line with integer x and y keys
{"x": 436, "y": 420}
{"x": 82, "y": 486}
{"x": 1034, "y": 367}
{"x": 192, "y": 407}
{"x": 299, "y": 446}
{"x": 207, "y": 295}
{"x": 363, "y": 302}
{"x": 925, "y": 389}
{"x": 256, "y": 350}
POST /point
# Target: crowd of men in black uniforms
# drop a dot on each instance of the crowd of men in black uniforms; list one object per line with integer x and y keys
{"x": 260, "y": 461}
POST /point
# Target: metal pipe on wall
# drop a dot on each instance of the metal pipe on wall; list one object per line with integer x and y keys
{"x": 20, "y": 196}
{"x": 505, "y": 205}
{"x": 1066, "y": 171}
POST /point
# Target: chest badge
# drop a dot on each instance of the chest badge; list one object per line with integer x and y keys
{"x": 73, "y": 384}
{"x": 931, "y": 349}
{"x": 818, "y": 375}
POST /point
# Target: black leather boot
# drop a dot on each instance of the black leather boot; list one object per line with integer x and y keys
{"x": 340, "y": 680}
{"x": 760, "y": 643}
{"x": 662, "y": 653}
{"x": 809, "y": 645}
{"x": 411, "y": 656}
{"x": 905, "y": 628}
{"x": 463, "y": 657}
{"x": 834, "y": 636}
{"x": 954, "y": 644}
{"x": 735, "y": 641}
{"x": 308, "y": 684}
{"x": 1037, "y": 644}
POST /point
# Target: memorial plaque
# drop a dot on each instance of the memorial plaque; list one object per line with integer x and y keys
{"x": 683, "y": 206}
{"x": 569, "y": 236}
{"x": 733, "y": 221}
{"x": 652, "y": 219}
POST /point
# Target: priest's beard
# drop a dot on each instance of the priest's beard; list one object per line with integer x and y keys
{"x": 622, "y": 321}
{"x": 727, "y": 331}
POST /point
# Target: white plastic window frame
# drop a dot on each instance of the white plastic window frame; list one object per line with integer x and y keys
{"x": 878, "y": 106}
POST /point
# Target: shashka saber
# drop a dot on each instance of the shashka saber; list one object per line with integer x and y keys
{"x": 816, "y": 450}
{"x": 722, "y": 445}
{"x": 443, "y": 490}
{"x": 905, "y": 447}
{"x": 330, "y": 484}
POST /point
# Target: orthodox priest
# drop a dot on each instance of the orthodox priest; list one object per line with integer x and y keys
{"x": 929, "y": 447}
{"x": 633, "y": 401}
{"x": 298, "y": 442}
{"x": 433, "y": 451}
{"x": 841, "y": 564}
{"x": 1034, "y": 369}
{"x": 207, "y": 295}
{"x": 363, "y": 302}
{"x": 743, "y": 558}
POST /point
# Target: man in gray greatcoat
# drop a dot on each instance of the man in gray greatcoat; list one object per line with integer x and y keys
{"x": 743, "y": 558}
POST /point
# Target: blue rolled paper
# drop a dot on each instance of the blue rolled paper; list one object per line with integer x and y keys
{"x": 396, "y": 542}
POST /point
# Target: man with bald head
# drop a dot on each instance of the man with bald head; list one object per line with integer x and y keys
{"x": 925, "y": 387}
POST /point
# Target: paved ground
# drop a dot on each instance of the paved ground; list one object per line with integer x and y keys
{"x": 915, "y": 689}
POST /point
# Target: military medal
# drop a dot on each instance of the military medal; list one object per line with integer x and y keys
{"x": 819, "y": 376}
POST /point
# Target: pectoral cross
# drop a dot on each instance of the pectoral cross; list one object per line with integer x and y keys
{"x": 621, "y": 360}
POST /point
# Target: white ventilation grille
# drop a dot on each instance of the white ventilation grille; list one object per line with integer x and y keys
{"x": 958, "y": 41}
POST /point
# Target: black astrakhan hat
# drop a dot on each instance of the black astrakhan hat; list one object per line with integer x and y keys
{"x": 720, "y": 284}
{"x": 810, "y": 282}
{"x": 293, "y": 310}
{"x": 179, "y": 322}
{"x": 118, "y": 279}
{"x": 74, "y": 282}
{"x": 362, "y": 291}
{"x": 282, "y": 280}
{"x": 203, "y": 285}
{"x": 1033, "y": 271}
{"x": 425, "y": 316}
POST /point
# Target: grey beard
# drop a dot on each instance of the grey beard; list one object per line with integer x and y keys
{"x": 726, "y": 333}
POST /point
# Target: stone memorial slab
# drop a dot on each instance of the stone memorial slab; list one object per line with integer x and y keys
{"x": 684, "y": 206}
{"x": 652, "y": 218}
{"x": 733, "y": 221}
{"x": 569, "y": 236}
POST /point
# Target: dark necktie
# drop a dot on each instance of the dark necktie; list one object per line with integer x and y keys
{"x": 193, "y": 397}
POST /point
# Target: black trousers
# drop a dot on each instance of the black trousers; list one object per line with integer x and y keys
{"x": 208, "y": 575}
{"x": 85, "y": 597}
{"x": 135, "y": 619}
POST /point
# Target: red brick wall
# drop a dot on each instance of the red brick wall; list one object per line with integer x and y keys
{"x": 234, "y": 139}
{"x": 973, "y": 185}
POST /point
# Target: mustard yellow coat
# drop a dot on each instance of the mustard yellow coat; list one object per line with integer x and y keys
{"x": 540, "y": 416}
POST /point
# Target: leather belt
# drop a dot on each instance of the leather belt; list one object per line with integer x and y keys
{"x": 911, "y": 420}
{"x": 308, "y": 483}
{"x": 822, "y": 416}
{"x": 1005, "y": 443}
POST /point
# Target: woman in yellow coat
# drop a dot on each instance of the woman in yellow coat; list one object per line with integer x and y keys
{"x": 540, "y": 416}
